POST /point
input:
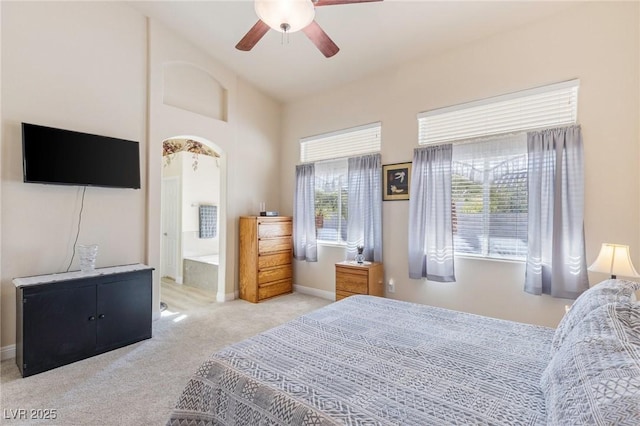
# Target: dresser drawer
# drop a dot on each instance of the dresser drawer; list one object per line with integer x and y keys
{"x": 276, "y": 259}
{"x": 350, "y": 282}
{"x": 342, "y": 294}
{"x": 274, "y": 244}
{"x": 274, "y": 229}
{"x": 274, "y": 289}
{"x": 274, "y": 274}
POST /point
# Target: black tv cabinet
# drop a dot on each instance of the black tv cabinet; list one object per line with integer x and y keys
{"x": 63, "y": 318}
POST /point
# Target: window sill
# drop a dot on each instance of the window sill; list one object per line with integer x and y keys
{"x": 490, "y": 259}
{"x": 331, "y": 244}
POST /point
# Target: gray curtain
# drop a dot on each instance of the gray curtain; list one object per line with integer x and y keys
{"x": 430, "y": 228}
{"x": 556, "y": 262}
{"x": 304, "y": 225}
{"x": 364, "y": 224}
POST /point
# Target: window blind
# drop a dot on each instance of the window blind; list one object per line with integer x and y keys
{"x": 343, "y": 143}
{"x": 549, "y": 106}
{"x": 331, "y": 200}
{"x": 489, "y": 197}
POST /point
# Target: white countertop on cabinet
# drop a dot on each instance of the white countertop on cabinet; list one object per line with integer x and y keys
{"x": 66, "y": 276}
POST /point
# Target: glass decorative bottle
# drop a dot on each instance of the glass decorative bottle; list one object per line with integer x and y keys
{"x": 360, "y": 255}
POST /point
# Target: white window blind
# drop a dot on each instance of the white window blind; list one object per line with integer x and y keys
{"x": 343, "y": 143}
{"x": 331, "y": 200}
{"x": 549, "y": 106}
{"x": 489, "y": 197}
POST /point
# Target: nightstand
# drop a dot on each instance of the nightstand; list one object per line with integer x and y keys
{"x": 353, "y": 278}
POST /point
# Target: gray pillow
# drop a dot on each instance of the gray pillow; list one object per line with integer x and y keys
{"x": 594, "y": 378}
{"x": 609, "y": 291}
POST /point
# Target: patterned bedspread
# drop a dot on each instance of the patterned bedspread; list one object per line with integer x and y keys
{"x": 375, "y": 361}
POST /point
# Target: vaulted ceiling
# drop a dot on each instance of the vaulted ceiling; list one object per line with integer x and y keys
{"x": 371, "y": 36}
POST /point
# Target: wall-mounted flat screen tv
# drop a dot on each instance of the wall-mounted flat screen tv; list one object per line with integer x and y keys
{"x": 65, "y": 157}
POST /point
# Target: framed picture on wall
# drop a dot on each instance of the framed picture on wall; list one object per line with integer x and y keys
{"x": 396, "y": 180}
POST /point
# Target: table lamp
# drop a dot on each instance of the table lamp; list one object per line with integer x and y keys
{"x": 614, "y": 259}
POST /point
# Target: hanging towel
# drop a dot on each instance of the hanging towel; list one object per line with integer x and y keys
{"x": 208, "y": 221}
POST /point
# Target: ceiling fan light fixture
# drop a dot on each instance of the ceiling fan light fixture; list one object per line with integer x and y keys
{"x": 286, "y": 15}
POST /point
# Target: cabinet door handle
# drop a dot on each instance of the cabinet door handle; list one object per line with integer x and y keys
{"x": 101, "y": 316}
{"x": 92, "y": 318}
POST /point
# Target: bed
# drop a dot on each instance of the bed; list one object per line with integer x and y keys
{"x": 372, "y": 361}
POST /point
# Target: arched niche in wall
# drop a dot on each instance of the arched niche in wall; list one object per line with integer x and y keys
{"x": 190, "y": 88}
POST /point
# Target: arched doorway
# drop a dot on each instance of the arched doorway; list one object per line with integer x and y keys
{"x": 192, "y": 237}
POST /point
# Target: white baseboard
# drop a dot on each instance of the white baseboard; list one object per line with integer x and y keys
{"x": 323, "y": 294}
{"x": 227, "y": 296}
{"x": 8, "y": 352}
{"x": 178, "y": 280}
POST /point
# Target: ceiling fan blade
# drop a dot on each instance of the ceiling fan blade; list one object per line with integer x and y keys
{"x": 253, "y": 36}
{"x": 334, "y": 2}
{"x": 320, "y": 39}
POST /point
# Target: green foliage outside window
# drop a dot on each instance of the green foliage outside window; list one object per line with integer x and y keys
{"x": 470, "y": 200}
{"x": 327, "y": 203}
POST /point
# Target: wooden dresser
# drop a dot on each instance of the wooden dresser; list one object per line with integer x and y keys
{"x": 266, "y": 250}
{"x": 352, "y": 278}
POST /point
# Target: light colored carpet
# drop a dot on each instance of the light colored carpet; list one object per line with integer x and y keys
{"x": 139, "y": 384}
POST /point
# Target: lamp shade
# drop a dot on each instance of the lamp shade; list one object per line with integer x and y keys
{"x": 286, "y": 15}
{"x": 614, "y": 259}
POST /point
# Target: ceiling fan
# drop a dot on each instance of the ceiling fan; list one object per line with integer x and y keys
{"x": 288, "y": 16}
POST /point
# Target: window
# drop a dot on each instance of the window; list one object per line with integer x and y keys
{"x": 489, "y": 169}
{"x": 331, "y": 200}
{"x": 329, "y": 152}
{"x": 489, "y": 197}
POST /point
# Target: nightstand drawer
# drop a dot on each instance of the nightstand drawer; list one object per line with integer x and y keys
{"x": 271, "y": 260}
{"x": 274, "y": 274}
{"x": 342, "y": 294}
{"x": 274, "y": 244}
{"x": 274, "y": 289}
{"x": 353, "y": 283}
{"x": 274, "y": 229}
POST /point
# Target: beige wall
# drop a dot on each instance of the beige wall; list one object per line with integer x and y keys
{"x": 1, "y": 156}
{"x": 54, "y": 75}
{"x": 87, "y": 66}
{"x": 595, "y": 42}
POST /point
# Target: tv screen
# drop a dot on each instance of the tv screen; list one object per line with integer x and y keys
{"x": 65, "y": 157}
